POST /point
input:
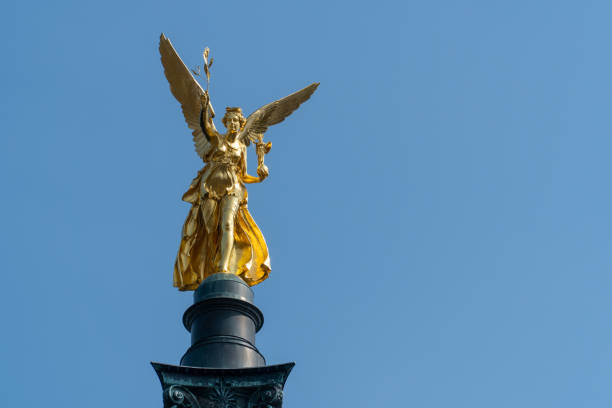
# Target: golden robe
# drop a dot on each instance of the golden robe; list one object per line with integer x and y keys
{"x": 198, "y": 254}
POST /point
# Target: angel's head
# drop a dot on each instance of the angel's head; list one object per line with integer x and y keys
{"x": 233, "y": 119}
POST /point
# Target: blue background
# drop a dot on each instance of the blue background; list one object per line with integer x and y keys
{"x": 438, "y": 214}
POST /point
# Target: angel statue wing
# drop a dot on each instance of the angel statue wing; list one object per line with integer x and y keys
{"x": 186, "y": 90}
{"x": 273, "y": 113}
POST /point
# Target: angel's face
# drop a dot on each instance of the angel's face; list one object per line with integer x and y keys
{"x": 233, "y": 123}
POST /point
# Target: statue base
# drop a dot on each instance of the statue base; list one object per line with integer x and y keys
{"x": 223, "y": 368}
{"x": 223, "y": 321}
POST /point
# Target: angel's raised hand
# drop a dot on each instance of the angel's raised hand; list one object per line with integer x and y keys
{"x": 204, "y": 100}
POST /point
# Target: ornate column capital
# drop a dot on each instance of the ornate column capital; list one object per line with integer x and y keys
{"x": 195, "y": 387}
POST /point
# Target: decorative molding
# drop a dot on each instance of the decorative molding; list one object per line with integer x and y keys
{"x": 216, "y": 304}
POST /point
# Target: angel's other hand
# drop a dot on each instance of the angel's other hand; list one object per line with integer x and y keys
{"x": 263, "y": 148}
{"x": 262, "y": 171}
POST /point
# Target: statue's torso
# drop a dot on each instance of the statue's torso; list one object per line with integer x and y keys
{"x": 221, "y": 176}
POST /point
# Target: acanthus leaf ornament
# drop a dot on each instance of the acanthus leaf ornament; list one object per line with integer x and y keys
{"x": 221, "y": 396}
{"x": 268, "y": 397}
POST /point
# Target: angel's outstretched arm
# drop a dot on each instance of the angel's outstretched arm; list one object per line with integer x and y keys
{"x": 206, "y": 121}
{"x": 247, "y": 178}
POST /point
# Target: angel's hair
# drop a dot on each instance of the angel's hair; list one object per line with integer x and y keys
{"x": 234, "y": 111}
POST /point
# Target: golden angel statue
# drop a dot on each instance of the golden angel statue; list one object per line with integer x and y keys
{"x": 219, "y": 234}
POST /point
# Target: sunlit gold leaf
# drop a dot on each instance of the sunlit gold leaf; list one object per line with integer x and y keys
{"x": 205, "y": 55}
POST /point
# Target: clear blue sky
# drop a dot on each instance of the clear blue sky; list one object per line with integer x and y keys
{"x": 439, "y": 213}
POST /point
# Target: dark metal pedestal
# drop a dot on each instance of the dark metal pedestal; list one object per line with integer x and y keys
{"x": 223, "y": 321}
{"x": 223, "y": 368}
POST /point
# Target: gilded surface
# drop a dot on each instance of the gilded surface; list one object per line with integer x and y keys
{"x": 219, "y": 234}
